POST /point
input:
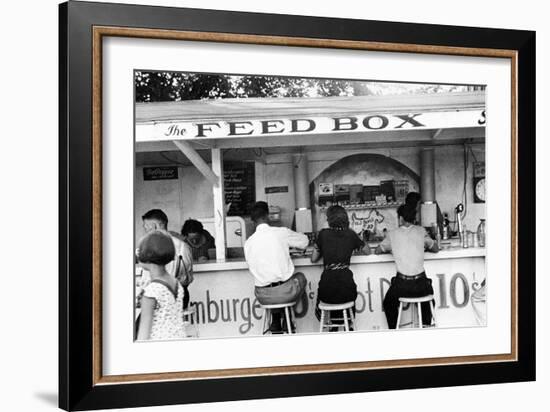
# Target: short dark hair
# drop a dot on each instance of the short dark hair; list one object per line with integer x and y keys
{"x": 156, "y": 214}
{"x": 407, "y": 212}
{"x": 259, "y": 211}
{"x": 156, "y": 247}
{"x": 191, "y": 226}
{"x": 412, "y": 198}
{"x": 337, "y": 217}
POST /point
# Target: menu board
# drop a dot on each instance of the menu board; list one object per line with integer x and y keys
{"x": 239, "y": 186}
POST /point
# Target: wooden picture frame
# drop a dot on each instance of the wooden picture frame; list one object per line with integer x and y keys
{"x": 82, "y": 385}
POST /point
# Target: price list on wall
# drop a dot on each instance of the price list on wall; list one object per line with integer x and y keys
{"x": 239, "y": 186}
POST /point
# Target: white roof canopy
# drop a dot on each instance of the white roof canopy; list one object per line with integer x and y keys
{"x": 265, "y": 122}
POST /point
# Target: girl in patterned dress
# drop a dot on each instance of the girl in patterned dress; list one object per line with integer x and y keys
{"x": 162, "y": 301}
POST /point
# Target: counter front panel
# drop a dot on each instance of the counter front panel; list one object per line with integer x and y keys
{"x": 223, "y": 293}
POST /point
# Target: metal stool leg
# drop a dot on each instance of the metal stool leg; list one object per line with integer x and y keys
{"x": 322, "y": 320}
{"x": 419, "y": 310}
{"x": 399, "y": 314}
{"x": 266, "y": 321}
{"x": 346, "y": 323}
{"x": 352, "y": 318}
{"x": 288, "y": 326}
{"x": 432, "y": 304}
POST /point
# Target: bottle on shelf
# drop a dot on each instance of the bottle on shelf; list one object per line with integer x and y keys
{"x": 481, "y": 233}
{"x": 445, "y": 226}
{"x": 464, "y": 237}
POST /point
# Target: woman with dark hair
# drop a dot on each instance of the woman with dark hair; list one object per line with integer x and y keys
{"x": 198, "y": 238}
{"x": 336, "y": 245}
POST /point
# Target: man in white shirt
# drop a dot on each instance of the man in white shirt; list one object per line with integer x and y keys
{"x": 268, "y": 258}
{"x": 407, "y": 243}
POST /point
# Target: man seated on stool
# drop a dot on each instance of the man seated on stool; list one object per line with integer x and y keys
{"x": 407, "y": 244}
{"x": 268, "y": 257}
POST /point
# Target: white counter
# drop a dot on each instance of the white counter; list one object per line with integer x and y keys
{"x": 239, "y": 263}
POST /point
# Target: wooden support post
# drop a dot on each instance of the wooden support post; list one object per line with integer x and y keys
{"x": 428, "y": 208}
{"x": 259, "y": 170}
{"x": 427, "y": 174}
{"x": 197, "y": 161}
{"x": 219, "y": 204}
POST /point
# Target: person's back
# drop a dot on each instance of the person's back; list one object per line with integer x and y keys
{"x": 268, "y": 258}
{"x": 167, "y": 314}
{"x": 161, "y": 314}
{"x": 407, "y": 244}
{"x": 337, "y": 246}
{"x": 181, "y": 267}
{"x": 183, "y": 250}
{"x": 267, "y": 253}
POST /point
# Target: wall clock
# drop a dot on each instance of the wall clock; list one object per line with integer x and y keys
{"x": 479, "y": 182}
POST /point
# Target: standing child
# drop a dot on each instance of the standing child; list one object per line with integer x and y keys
{"x": 336, "y": 245}
{"x": 162, "y": 302}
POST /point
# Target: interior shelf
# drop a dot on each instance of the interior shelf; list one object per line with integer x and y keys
{"x": 367, "y": 206}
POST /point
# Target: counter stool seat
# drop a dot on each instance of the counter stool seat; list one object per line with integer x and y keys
{"x": 416, "y": 309}
{"x": 330, "y": 307}
{"x": 289, "y": 313}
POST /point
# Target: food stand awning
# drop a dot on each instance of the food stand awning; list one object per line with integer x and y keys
{"x": 254, "y": 122}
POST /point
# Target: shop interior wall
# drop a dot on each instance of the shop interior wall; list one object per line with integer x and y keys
{"x": 449, "y": 181}
{"x": 449, "y": 167}
{"x": 191, "y": 195}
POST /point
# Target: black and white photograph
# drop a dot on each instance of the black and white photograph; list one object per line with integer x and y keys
{"x": 274, "y": 205}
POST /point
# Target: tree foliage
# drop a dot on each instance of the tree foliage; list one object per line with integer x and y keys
{"x": 177, "y": 86}
{"x": 170, "y": 86}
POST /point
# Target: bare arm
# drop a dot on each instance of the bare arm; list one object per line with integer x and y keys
{"x": 430, "y": 245}
{"x": 384, "y": 246}
{"x": 146, "y": 317}
{"x": 366, "y": 249}
{"x": 316, "y": 255}
{"x": 362, "y": 244}
{"x": 297, "y": 240}
{"x": 433, "y": 248}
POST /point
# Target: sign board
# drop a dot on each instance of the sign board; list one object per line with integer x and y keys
{"x": 360, "y": 122}
{"x": 160, "y": 173}
{"x": 239, "y": 186}
{"x": 276, "y": 189}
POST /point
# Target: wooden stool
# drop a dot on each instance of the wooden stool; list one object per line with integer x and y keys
{"x": 344, "y": 307}
{"x": 416, "y": 309}
{"x": 288, "y": 309}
